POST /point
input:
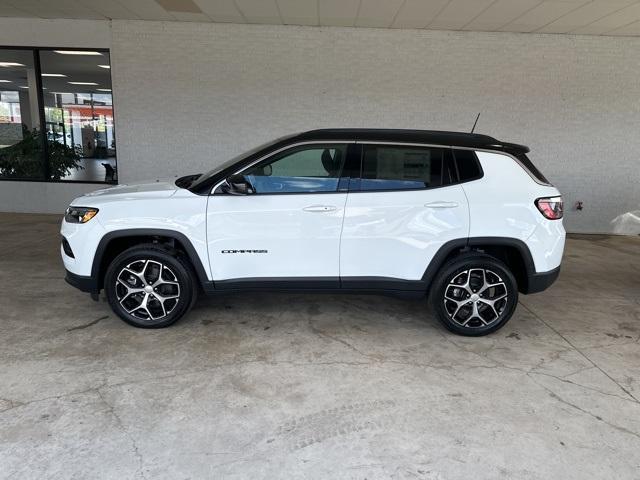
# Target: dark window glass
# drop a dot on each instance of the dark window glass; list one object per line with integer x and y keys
{"x": 468, "y": 165}
{"x": 304, "y": 169}
{"x": 78, "y": 112}
{"x": 21, "y": 144}
{"x": 400, "y": 168}
{"x": 528, "y": 164}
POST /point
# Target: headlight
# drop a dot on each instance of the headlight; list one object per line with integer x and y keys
{"x": 79, "y": 214}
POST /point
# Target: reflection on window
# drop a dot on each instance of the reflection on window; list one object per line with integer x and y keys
{"x": 400, "y": 168}
{"x": 20, "y": 142}
{"x": 79, "y": 116}
{"x": 301, "y": 170}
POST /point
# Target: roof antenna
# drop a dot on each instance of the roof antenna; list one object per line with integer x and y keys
{"x": 475, "y": 123}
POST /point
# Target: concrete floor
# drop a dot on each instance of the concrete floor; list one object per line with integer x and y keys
{"x": 318, "y": 386}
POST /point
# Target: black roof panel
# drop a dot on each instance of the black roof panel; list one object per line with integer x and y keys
{"x": 431, "y": 137}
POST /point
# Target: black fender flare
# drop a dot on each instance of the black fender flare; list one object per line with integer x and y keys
{"x": 193, "y": 256}
{"x": 468, "y": 243}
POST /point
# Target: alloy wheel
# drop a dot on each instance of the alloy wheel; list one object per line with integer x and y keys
{"x": 475, "y": 298}
{"x": 147, "y": 289}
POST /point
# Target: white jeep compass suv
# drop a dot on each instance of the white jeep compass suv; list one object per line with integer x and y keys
{"x": 464, "y": 218}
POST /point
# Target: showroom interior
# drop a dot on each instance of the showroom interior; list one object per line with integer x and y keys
{"x": 95, "y": 94}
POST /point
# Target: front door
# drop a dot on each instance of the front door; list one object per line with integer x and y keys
{"x": 286, "y": 230}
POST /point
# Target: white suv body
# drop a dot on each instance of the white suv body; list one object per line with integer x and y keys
{"x": 351, "y": 210}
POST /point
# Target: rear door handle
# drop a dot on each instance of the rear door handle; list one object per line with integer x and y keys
{"x": 441, "y": 205}
{"x": 320, "y": 208}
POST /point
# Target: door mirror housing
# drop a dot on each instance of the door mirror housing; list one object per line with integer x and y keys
{"x": 238, "y": 185}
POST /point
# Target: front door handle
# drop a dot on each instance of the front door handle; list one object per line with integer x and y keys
{"x": 441, "y": 205}
{"x": 320, "y": 208}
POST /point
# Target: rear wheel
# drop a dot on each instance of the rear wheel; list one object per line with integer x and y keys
{"x": 474, "y": 295}
{"x": 149, "y": 286}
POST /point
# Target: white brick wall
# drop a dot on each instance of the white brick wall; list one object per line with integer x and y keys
{"x": 188, "y": 96}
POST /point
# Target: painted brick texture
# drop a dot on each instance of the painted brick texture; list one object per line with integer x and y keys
{"x": 189, "y": 96}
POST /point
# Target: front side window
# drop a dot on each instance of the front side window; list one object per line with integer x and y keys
{"x": 306, "y": 169}
{"x": 404, "y": 168}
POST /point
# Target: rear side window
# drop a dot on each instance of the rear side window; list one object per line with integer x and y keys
{"x": 467, "y": 165}
{"x": 528, "y": 164}
{"x": 405, "y": 168}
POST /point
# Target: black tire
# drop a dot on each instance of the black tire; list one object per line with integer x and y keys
{"x": 153, "y": 272}
{"x": 467, "y": 309}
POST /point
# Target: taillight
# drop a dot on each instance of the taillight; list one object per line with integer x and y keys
{"x": 551, "y": 207}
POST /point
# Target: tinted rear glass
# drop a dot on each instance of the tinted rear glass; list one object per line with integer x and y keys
{"x": 404, "y": 167}
{"x": 528, "y": 164}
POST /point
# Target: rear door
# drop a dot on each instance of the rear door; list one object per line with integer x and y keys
{"x": 404, "y": 205}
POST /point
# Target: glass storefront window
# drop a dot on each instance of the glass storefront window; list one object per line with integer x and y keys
{"x": 21, "y": 146}
{"x": 56, "y": 116}
{"x": 79, "y": 116}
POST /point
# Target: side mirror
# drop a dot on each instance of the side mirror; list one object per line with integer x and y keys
{"x": 238, "y": 185}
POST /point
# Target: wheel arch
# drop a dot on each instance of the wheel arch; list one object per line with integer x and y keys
{"x": 511, "y": 251}
{"x": 117, "y": 241}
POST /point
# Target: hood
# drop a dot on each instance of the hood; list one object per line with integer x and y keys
{"x": 160, "y": 188}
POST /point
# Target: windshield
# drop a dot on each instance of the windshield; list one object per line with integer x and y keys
{"x": 232, "y": 161}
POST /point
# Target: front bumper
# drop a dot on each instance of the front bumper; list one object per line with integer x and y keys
{"x": 81, "y": 244}
{"x": 82, "y": 283}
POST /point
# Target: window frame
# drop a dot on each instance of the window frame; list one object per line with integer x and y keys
{"x": 355, "y": 150}
{"x": 354, "y": 183}
{"x": 42, "y": 117}
{"x": 342, "y": 187}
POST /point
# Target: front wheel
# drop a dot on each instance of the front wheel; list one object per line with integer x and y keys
{"x": 474, "y": 295}
{"x": 149, "y": 286}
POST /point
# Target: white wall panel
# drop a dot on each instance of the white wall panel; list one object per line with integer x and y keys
{"x": 188, "y": 96}
{"x": 54, "y": 33}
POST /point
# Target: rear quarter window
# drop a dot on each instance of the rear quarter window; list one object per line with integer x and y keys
{"x": 467, "y": 165}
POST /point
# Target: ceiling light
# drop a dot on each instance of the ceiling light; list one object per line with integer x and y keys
{"x": 6, "y": 81}
{"x": 103, "y": 89}
{"x": 77, "y": 52}
{"x": 11, "y": 64}
{"x": 22, "y": 86}
{"x": 82, "y": 83}
{"x": 104, "y": 66}
{"x": 53, "y": 75}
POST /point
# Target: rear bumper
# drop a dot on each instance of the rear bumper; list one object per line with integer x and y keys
{"x": 541, "y": 281}
{"x": 82, "y": 283}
